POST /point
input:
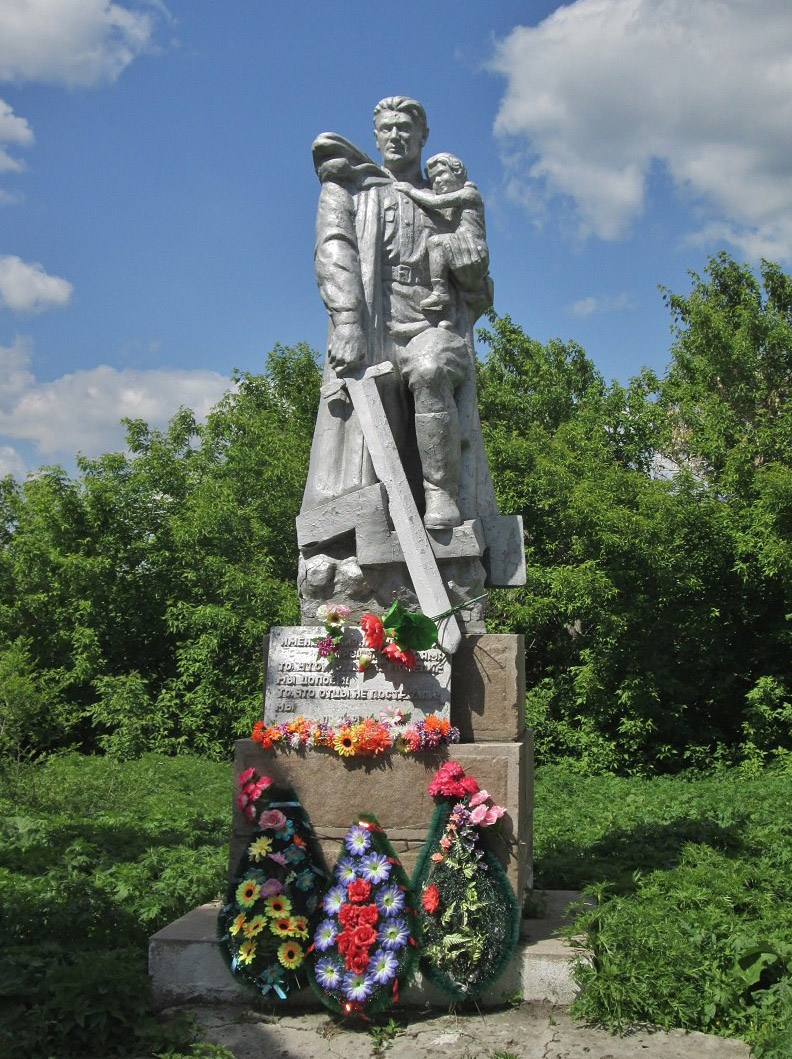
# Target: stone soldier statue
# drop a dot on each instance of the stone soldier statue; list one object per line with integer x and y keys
{"x": 372, "y": 269}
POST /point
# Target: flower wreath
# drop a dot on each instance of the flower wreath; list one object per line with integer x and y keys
{"x": 272, "y": 903}
{"x": 360, "y": 736}
{"x": 469, "y": 917}
{"x": 364, "y": 947}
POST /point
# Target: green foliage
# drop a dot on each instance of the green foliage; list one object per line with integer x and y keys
{"x": 133, "y": 599}
{"x": 96, "y": 855}
{"x": 690, "y": 881}
{"x": 656, "y": 612}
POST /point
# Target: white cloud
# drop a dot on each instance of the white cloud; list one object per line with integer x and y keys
{"x": 13, "y": 130}
{"x": 11, "y": 462}
{"x": 27, "y": 288}
{"x": 82, "y": 411}
{"x": 602, "y": 90}
{"x": 71, "y": 42}
{"x": 601, "y": 303}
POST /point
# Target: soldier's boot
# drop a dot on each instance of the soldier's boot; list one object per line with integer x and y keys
{"x": 438, "y": 439}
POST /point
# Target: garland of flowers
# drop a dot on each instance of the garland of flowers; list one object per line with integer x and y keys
{"x": 469, "y": 918}
{"x": 364, "y": 948}
{"x": 361, "y": 736}
{"x": 272, "y": 903}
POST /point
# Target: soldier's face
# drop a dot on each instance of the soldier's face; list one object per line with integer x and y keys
{"x": 399, "y": 138}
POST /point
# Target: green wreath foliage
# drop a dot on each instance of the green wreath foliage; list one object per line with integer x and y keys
{"x": 468, "y": 915}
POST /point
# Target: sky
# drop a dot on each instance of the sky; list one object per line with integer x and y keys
{"x": 157, "y": 197}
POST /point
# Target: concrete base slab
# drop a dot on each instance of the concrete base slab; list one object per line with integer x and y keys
{"x": 186, "y": 966}
{"x": 528, "y": 1031}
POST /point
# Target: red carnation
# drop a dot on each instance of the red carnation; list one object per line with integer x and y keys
{"x": 406, "y": 658}
{"x": 345, "y": 941}
{"x": 430, "y": 899}
{"x": 373, "y": 631}
{"x": 368, "y": 914}
{"x": 359, "y": 890}
{"x": 469, "y": 785}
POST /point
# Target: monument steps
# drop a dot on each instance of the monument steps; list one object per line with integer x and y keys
{"x": 186, "y": 966}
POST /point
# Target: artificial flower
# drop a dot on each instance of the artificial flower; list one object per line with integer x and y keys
{"x": 357, "y": 840}
{"x": 357, "y": 986}
{"x": 245, "y": 775}
{"x": 333, "y": 900}
{"x": 305, "y": 879}
{"x": 277, "y": 905}
{"x": 326, "y": 647}
{"x": 294, "y": 854}
{"x": 390, "y": 901}
{"x": 394, "y": 934}
{"x": 270, "y": 887}
{"x": 364, "y": 936}
{"x": 358, "y": 890}
{"x": 346, "y": 870}
{"x": 364, "y": 660}
{"x": 259, "y": 848}
{"x": 271, "y": 820}
{"x": 246, "y": 893}
{"x": 254, "y": 926}
{"x": 328, "y": 973}
{"x": 430, "y": 899}
{"x": 357, "y": 960}
{"x": 300, "y": 926}
{"x": 282, "y": 926}
{"x": 238, "y": 924}
{"x": 344, "y": 742}
{"x": 325, "y": 935}
{"x": 247, "y": 952}
{"x": 383, "y": 966}
{"x": 406, "y": 657}
{"x": 373, "y": 631}
{"x": 375, "y": 868}
{"x": 291, "y": 954}
{"x": 332, "y": 613}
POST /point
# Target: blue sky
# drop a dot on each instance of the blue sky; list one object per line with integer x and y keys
{"x": 157, "y": 196}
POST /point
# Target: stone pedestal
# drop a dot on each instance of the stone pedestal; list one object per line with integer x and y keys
{"x": 333, "y": 791}
{"x": 488, "y": 707}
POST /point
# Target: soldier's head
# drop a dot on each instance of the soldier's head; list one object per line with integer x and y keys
{"x": 400, "y": 131}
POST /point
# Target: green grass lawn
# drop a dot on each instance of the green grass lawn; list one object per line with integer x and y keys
{"x": 692, "y": 878}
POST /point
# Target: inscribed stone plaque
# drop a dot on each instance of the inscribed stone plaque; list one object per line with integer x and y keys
{"x": 301, "y": 683}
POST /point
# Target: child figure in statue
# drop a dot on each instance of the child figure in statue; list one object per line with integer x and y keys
{"x": 461, "y": 206}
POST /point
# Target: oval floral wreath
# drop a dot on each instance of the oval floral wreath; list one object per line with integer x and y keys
{"x": 273, "y": 900}
{"x": 364, "y": 946}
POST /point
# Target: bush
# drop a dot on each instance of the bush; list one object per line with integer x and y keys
{"x": 690, "y": 879}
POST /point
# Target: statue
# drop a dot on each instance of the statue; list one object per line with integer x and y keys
{"x": 402, "y": 269}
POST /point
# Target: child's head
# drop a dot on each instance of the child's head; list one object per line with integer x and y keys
{"x": 445, "y": 173}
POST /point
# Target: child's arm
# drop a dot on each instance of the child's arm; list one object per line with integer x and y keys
{"x": 468, "y": 195}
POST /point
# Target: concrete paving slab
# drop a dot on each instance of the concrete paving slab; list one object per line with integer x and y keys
{"x": 529, "y": 1031}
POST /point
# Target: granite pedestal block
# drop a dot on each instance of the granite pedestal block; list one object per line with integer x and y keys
{"x": 334, "y": 790}
{"x": 488, "y": 688}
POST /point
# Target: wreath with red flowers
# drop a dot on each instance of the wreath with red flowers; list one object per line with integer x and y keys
{"x": 363, "y": 948}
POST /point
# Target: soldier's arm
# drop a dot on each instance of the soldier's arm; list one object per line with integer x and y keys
{"x": 337, "y": 266}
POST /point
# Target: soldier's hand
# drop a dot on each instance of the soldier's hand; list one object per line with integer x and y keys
{"x": 348, "y": 348}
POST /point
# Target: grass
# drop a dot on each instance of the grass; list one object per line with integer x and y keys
{"x": 96, "y": 855}
{"x": 692, "y": 878}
